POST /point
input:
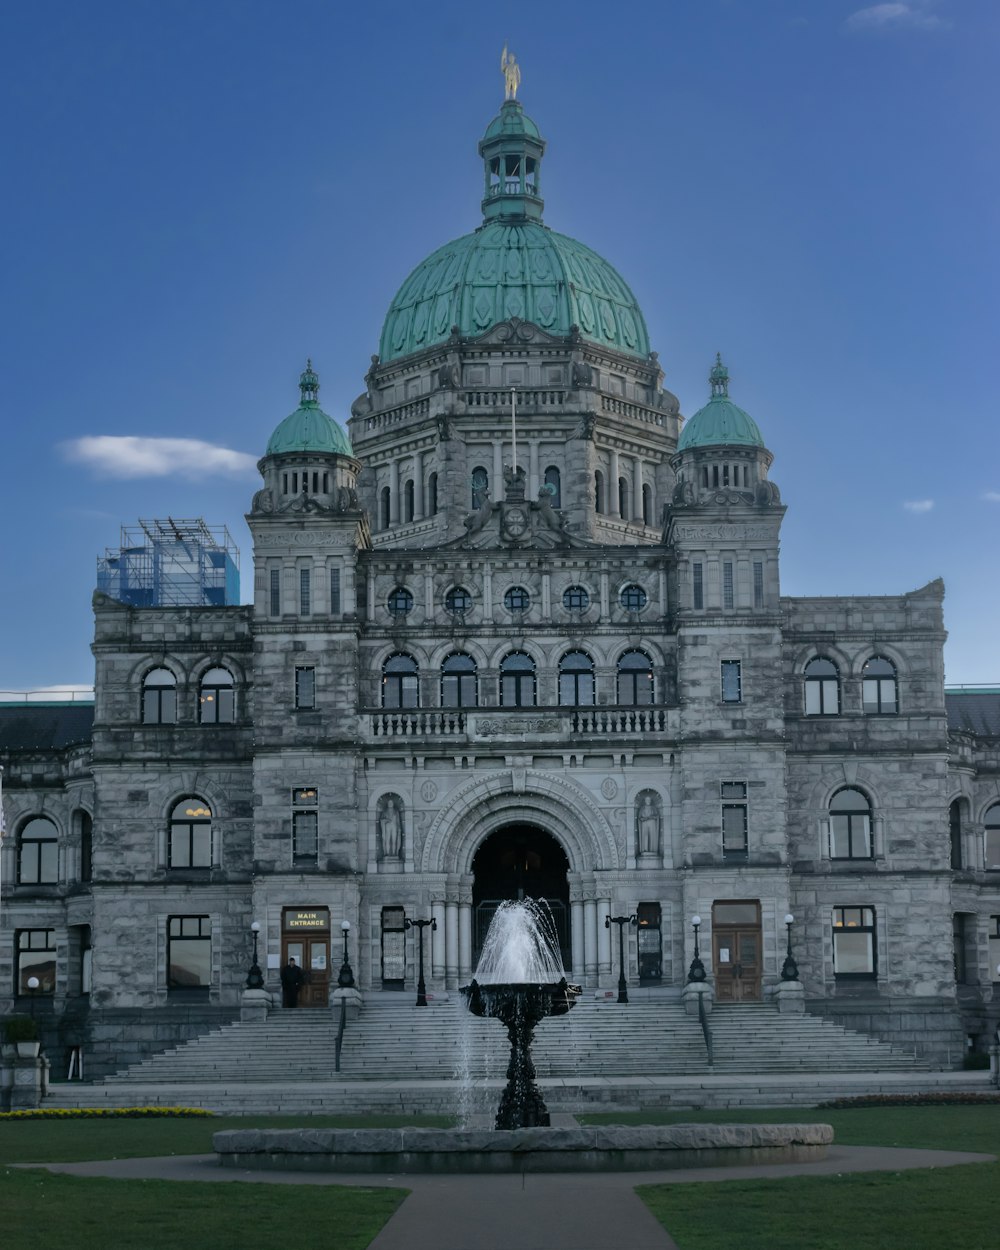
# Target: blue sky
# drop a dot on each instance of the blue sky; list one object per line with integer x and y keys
{"x": 201, "y": 193}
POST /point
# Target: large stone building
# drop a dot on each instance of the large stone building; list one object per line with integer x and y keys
{"x": 520, "y": 631}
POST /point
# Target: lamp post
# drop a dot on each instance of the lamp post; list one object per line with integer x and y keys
{"x": 255, "y": 978}
{"x": 697, "y": 970}
{"x": 345, "y": 978}
{"x": 621, "y": 922}
{"x": 789, "y": 969}
{"x": 420, "y": 926}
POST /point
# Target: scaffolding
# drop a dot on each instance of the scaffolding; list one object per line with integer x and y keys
{"x": 172, "y": 564}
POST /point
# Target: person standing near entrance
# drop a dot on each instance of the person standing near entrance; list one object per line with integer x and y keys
{"x": 291, "y": 983}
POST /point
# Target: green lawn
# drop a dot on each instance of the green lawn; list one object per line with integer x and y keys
{"x": 918, "y": 1210}
{"x": 43, "y": 1211}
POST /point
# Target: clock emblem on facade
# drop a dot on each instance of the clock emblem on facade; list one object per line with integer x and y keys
{"x": 515, "y": 522}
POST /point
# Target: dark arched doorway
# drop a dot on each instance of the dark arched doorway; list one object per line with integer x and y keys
{"x": 520, "y": 861}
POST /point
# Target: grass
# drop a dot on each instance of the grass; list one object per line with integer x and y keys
{"x": 44, "y": 1211}
{"x": 919, "y": 1210}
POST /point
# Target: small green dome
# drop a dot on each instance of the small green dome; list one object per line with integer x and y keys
{"x": 720, "y": 422}
{"x": 309, "y": 428}
{"x": 513, "y": 269}
{"x": 513, "y": 266}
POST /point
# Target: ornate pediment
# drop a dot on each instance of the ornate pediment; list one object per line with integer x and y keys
{"x": 517, "y": 331}
{"x": 516, "y": 521}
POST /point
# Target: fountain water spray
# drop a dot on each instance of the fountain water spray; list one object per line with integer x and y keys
{"x": 520, "y": 980}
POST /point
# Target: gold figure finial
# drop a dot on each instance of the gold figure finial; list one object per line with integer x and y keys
{"x": 511, "y": 74}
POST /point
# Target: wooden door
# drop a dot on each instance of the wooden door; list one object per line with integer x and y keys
{"x": 737, "y": 965}
{"x": 306, "y": 939}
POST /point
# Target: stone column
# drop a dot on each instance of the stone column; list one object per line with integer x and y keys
{"x": 636, "y": 487}
{"x": 603, "y": 939}
{"x": 496, "y": 484}
{"x": 534, "y": 484}
{"x": 488, "y": 592}
{"x": 418, "y": 486}
{"x": 613, "y": 508}
{"x": 451, "y": 945}
{"x": 464, "y": 943}
{"x": 576, "y": 923}
{"x": 437, "y": 943}
{"x": 590, "y": 941}
{"x": 393, "y": 492}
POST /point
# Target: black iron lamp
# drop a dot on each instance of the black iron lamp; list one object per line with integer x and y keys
{"x": 621, "y": 922}
{"x": 255, "y": 978}
{"x": 345, "y": 978}
{"x": 420, "y": 926}
{"x": 789, "y": 969}
{"x": 697, "y": 970}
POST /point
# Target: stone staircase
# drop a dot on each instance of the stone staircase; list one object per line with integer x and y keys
{"x": 394, "y": 1041}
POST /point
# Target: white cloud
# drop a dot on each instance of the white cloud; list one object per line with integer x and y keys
{"x": 918, "y": 505}
{"x": 899, "y": 14}
{"x": 992, "y": 496}
{"x": 125, "y": 456}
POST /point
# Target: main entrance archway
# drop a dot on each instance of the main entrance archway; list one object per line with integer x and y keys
{"x": 520, "y": 861}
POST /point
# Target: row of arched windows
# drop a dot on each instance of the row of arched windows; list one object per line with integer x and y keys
{"x": 407, "y": 511}
{"x": 879, "y": 687}
{"x": 216, "y": 697}
{"x": 459, "y": 685}
{"x": 604, "y": 502}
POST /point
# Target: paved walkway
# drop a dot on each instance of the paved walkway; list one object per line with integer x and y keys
{"x": 539, "y": 1211}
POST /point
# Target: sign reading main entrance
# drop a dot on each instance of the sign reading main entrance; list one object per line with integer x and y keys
{"x": 305, "y": 937}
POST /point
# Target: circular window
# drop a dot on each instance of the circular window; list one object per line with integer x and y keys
{"x": 576, "y": 599}
{"x": 517, "y": 599}
{"x": 458, "y": 600}
{"x": 400, "y": 601}
{"x": 632, "y": 598}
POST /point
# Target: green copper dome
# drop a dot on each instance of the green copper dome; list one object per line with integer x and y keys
{"x": 309, "y": 428}
{"x": 513, "y": 266}
{"x": 720, "y": 422}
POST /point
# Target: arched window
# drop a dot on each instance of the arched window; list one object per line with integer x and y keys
{"x": 576, "y": 679}
{"x": 822, "y": 682}
{"x": 850, "y": 826}
{"x": 647, "y": 505}
{"x": 432, "y": 495}
{"x": 878, "y": 687}
{"x": 217, "y": 698}
{"x": 159, "y": 697}
{"x": 190, "y": 834}
{"x": 86, "y": 847}
{"x": 635, "y": 678}
{"x": 400, "y": 602}
{"x": 399, "y": 682}
{"x": 991, "y": 845}
{"x": 480, "y": 486}
{"x": 955, "y": 833}
{"x": 623, "y": 498}
{"x": 554, "y": 483}
{"x": 38, "y": 853}
{"x": 576, "y": 599}
{"x": 408, "y": 499}
{"x": 598, "y": 491}
{"x": 458, "y": 681}
{"x": 516, "y": 599}
{"x": 383, "y": 511}
{"x": 458, "y": 601}
{"x": 517, "y": 680}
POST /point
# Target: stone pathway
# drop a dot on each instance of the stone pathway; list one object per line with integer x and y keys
{"x": 540, "y": 1211}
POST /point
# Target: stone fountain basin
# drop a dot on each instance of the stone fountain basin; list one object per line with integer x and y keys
{"x": 583, "y": 1149}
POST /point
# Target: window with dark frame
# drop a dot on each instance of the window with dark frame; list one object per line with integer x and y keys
{"x": 459, "y": 687}
{"x": 189, "y": 953}
{"x": 38, "y": 852}
{"x": 758, "y": 584}
{"x": 633, "y": 598}
{"x": 335, "y": 592}
{"x": 991, "y": 839}
{"x": 697, "y": 585}
{"x": 851, "y": 825}
{"x": 955, "y": 832}
{"x": 517, "y": 680}
{"x": 305, "y": 592}
{"x": 458, "y": 601}
{"x": 735, "y": 824}
{"x": 993, "y": 943}
{"x": 400, "y": 602}
{"x": 854, "y": 943}
{"x": 159, "y": 697}
{"x": 305, "y": 825}
{"x": 35, "y": 956}
{"x": 553, "y": 481}
{"x": 275, "y": 583}
{"x": 516, "y": 599}
{"x": 727, "y": 584}
{"x": 732, "y": 681}
{"x": 576, "y": 599}
{"x": 305, "y": 688}
{"x": 400, "y": 682}
{"x": 822, "y": 687}
{"x": 635, "y": 679}
{"x": 189, "y": 842}
{"x": 960, "y": 931}
{"x": 480, "y": 486}
{"x": 576, "y": 680}
{"x": 217, "y": 698}
{"x": 879, "y": 687}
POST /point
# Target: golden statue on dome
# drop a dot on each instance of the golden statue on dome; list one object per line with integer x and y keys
{"x": 511, "y": 74}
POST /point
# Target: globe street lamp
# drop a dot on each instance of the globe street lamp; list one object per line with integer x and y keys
{"x": 420, "y": 926}
{"x": 621, "y": 922}
{"x": 345, "y": 978}
{"x": 255, "y": 978}
{"x": 789, "y": 969}
{"x": 697, "y": 970}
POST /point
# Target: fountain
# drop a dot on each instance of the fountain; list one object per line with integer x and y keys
{"x": 519, "y": 981}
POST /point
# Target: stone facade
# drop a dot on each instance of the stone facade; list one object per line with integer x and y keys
{"x": 661, "y": 748}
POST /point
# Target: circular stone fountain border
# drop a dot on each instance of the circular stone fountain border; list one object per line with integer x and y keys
{"x": 583, "y": 1149}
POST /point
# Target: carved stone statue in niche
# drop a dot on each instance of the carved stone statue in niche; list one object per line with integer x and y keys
{"x": 647, "y": 824}
{"x": 390, "y": 827}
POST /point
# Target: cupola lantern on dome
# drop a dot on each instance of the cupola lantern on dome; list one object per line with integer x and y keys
{"x": 308, "y": 428}
{"x": 512, "y": 150}
{"x": 720, "y": 423}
